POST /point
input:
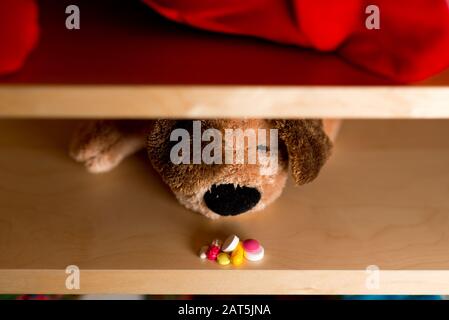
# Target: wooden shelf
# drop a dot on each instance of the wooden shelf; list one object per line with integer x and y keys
{"x": 381, "y": 200}
{"x": 220, "y": 101}
{"x": 128, "y": 62}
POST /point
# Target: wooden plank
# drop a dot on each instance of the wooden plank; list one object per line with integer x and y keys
{"x": 222, "y": 101}
{"x": 310, "y": 282}
{"x": 381, "y": 200}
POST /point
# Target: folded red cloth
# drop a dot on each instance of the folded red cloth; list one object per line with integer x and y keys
{"x": 411, "y": 44}
{"x": 18, "y": 32}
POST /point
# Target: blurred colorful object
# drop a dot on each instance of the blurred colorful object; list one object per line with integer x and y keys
{"x": 35, "y": 297}
{"x": 411, "y": 44}
{"x": 393, "y": 297}
{"x": 18, "y": 33}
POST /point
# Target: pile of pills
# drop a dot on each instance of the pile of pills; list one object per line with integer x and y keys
{"x": 232, "y": 250}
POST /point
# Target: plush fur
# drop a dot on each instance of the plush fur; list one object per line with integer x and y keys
{"x": 305, "y": 144}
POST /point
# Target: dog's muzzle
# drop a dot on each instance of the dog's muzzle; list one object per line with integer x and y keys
{"x": 230, "y": 200}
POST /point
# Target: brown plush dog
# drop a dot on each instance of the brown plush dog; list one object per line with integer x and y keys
{"x": 213, "y": 189}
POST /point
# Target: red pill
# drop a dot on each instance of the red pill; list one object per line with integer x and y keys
{"x": 213, "y": 252}
{"x": 251, "y": 245}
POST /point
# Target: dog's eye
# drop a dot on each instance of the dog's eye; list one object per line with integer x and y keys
{"x": 262, "y": 147}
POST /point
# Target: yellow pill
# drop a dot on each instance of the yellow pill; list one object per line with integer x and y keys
{"x": 239, "y": 249}
{"x": 237, "y": 255}
{"x": 237, "y": 260}
{"x": 239, "y": 246}
{"x": 238, "y": 252}
{"x": 223, "y": 259}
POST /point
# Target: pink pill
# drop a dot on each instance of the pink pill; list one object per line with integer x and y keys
{"x": 251, "y": 245}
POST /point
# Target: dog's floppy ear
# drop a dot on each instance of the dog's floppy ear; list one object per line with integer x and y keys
{"x": 307, "y": 144}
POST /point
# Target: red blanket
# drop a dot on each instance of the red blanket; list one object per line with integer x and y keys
{"x": 18, "y": 33}
{"x": 411, "y": 44}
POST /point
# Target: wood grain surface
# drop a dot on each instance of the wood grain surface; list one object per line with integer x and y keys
{"x": 383, "y": 199}
{"x": 149, "y": 101}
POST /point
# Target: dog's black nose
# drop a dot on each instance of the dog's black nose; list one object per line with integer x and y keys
{"x": 228, "y": 200}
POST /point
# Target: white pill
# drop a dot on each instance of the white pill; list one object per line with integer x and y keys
{"x": 230, "y": 243}
{"x": 203, "y": 252}
{"x": 256, "y": 255}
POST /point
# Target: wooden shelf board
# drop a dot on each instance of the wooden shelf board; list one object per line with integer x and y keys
{"x": 381, "y": 200}
{"x": 83, "y": 101}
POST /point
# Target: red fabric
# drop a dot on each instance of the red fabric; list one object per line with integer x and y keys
{"x": 412, "y": 43}
{"x": 18, "y": 33}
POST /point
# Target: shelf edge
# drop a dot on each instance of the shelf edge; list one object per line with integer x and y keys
{"x": 226, "y": 282}
{"x": 164, "y": 101}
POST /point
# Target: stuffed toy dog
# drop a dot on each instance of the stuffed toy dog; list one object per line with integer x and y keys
{"x": 411, "y": 44}
{"x": 212, "y": 189}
